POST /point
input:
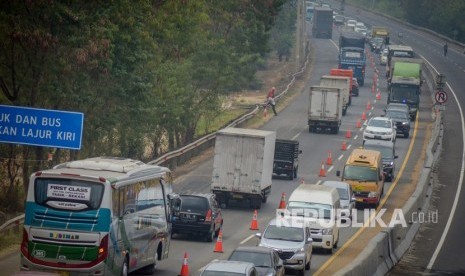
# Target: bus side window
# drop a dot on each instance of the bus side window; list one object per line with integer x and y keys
{"x": 115, "y": 203}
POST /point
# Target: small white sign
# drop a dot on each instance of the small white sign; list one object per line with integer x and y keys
{"x": 68, "y": 192}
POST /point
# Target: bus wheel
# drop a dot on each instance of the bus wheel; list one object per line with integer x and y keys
{"x": 125, "y": 268}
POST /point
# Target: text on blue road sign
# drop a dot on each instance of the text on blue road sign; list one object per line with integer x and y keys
{"x": 41, "y": 127}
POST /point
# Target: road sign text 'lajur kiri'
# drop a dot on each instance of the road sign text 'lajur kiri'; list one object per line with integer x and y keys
{"x": 41, "y": 127}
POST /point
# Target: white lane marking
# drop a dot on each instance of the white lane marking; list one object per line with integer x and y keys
{"x": 318, "y": 182}
{"x": 247, "y": 239}
{"x": 340, "y": 157}
{"x": 334, "y": 43}
{"x": 330, "y": 168}
{"x": 355, "y": 137}
{"x": 459, "y": 186}
{"x": 297, "y": 135}
{"x": 348, "y": 147}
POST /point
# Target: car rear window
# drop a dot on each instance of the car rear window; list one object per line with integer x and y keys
{"x": 194, "y": 204}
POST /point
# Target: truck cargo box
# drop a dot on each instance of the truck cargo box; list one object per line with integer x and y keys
{"x": 243, "y": 165}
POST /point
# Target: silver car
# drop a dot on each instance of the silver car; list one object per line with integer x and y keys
{"x": 291, "y": 240}
{"x": 345, "y": 192}
{"x": 222, "y": 267}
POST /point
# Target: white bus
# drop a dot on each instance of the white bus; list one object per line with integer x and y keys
{"x": 97, "y": 216}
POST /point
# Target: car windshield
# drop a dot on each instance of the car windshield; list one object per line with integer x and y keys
{"x": 274, "y": 232}
{"x": 360, "y": 173}
{"x": 386, "y": 152}
{"x": 343, "y": 194}
{"x": 194, "y": 204}
{"x": 404, "y": 93}
{"x": 396, "y": 114}
{"x": 379, "y": 123}
{"x": 259, "y": 259}
{"x": 310, "y": 209}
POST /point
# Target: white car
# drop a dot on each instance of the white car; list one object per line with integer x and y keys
{"x": 360, "y": 25}
{"x": 351, "y": 23}
{"x": 383, "y": 59}
{"x": 381, "y": 128}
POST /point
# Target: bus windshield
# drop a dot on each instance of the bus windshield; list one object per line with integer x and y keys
{"x": 68, "y": 194}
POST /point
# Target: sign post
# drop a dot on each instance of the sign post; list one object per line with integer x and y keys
{"x": 41, "y": 127}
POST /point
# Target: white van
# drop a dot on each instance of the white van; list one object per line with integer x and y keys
{"x": 318, "y": 204}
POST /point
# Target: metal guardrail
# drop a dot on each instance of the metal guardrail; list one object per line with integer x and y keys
{"x": 184, "y": 154}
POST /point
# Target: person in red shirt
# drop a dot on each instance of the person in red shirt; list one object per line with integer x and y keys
{"x": 270, "y": 99}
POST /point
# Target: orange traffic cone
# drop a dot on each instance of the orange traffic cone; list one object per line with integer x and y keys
{"x": 368, "y": 105}
{"x": 364, "y": 115}
{"x": 254, "y": 224}
{"x": 322, "y": 170}
{"x": 344, "y": 145}
{"x": 219, "y": 242}
{"x": 378, "y": 96}
{"x": 265, "y": 112}
{"x": 282, "y": 203}
{"x": 185, "y": 266}
{"x": 359, "y": 123}
{"x": 302, "y": 181}
{"x": 329, "y": 160}
{"x": 348, "y": 134}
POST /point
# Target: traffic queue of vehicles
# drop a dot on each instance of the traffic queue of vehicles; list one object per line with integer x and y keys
{"x": 91, "y": 215}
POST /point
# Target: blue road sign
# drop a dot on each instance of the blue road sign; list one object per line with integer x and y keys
{"x": 41, "y": 127}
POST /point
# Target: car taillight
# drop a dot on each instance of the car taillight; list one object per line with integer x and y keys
{"x": 208, "y": 216}
{"x": 103, "y": 249}
{"x": 25, "y": 243}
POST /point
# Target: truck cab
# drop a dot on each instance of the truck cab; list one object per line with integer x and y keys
{"x": 405, "y": 90}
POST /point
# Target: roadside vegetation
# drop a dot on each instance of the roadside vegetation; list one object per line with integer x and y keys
{"x": 149, "y": 77}
{"x": 444, "y": 17}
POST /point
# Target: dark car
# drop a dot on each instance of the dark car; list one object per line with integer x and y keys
{"x": 197, "y": 213}
{"x": 387, "y": 154}
{"x": 376, "y": 44}
{"x": 354, "y": 87}
{"x": 266, "y": 260}
{"x": 401, "y": 119}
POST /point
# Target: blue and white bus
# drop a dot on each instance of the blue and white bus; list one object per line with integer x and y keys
{"x": 97, "y": 216}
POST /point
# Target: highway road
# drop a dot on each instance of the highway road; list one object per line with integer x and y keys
{"x": 438, "y": 248}
{"x": 291, "y": 123}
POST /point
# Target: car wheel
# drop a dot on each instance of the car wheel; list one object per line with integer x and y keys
{"x": 307, "y": 265}
{"x": 406, "y": 135}
{"x": 211, "y": 235}
{"x": 336, "y": 242}
{"x": 125, "y": 267}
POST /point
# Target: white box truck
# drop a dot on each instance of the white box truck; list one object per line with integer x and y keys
{"x": 342, "y": 83}
{"x": 324, "y": 109}
{"x": 243, "y": 165}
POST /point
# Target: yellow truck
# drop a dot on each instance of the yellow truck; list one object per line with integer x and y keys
{"x": 364, "y": 172}
{"x": 378, "y": 31}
